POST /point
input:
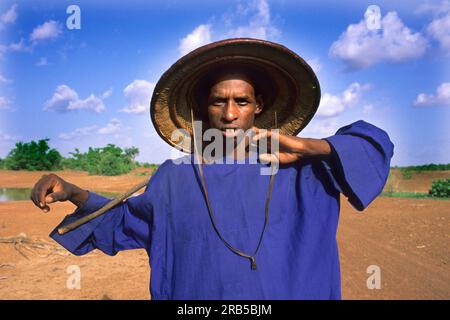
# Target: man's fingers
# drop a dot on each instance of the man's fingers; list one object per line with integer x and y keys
{"x": 34, "y": 199}
{"x": 263, "y": 133}
{"x": 43, "y": 187}
{"x": 42, "y": 192}
{"x": 255, "y": 129}
{"x": 39, "y": 196}
{"x": 51, "y": 198}
{"x": 268, "y": 158}
{"x": 55, "y": 196}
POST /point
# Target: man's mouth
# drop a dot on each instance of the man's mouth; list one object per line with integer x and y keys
{"x": 231, "y": 132}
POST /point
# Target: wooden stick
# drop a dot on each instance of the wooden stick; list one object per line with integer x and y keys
{"x": 102, "y": 210}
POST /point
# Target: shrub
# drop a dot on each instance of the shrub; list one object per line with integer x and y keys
{"x": 76, "y": 162}
{"x": 149, "y": 165}
{"x": 33, "y": 156}
{"x": 109, "y": 161}
{"x": 440, "y": 188}
{"x": 427, "y": 167}
{"x": 406, "y": 174}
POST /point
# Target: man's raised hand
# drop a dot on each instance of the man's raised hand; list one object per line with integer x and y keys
{"x": 289, "y": 148}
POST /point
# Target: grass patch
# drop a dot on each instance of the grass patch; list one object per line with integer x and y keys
{"x": 425, "y": 167}
{"x": 109, "y": 195}
{"x": 407, "y": 174}
{"x": 410, "y": 195}
{"x": 141, "y": 174}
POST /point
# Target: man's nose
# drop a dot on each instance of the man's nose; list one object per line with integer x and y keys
{"x": 231, "y": 112}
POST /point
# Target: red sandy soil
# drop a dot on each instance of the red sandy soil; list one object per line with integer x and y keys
{"x": 407, "y": 238}
{"x": 419, "y": 181}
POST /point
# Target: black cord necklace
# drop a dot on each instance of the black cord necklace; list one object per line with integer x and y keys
{"x": 210, "y": 211}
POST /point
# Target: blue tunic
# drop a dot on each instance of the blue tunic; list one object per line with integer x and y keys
{"x": 298, "y": 258}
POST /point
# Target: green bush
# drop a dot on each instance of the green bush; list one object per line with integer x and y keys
{"x": 406, "y": 173}
{"x": 108, "y": 161}
{"x": 149, "y": 165}
{"x": 33, "y": 156}
{"x": 440, "y": 188}
{"x": 427, "y": 167}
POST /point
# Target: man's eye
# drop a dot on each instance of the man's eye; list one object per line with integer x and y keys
{"x": 242, "y": 102}
{"x": 218, "y": 102}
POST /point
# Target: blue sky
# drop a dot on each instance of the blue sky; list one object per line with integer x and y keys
{"x": 92, "y": 86}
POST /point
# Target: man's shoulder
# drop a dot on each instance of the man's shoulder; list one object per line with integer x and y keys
{"x": 174, "y": 166}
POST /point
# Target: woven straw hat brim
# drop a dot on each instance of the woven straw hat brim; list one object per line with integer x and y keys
{"x": 295, "y": 91}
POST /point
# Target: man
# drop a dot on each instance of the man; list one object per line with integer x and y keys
{"x": 226, "y": 231}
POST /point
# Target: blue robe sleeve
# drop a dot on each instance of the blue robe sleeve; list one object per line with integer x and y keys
{"x": 126, "y": 226}
{"x": 359, "y": 164}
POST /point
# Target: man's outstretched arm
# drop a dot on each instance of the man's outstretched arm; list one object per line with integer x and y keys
{"x": 126, "y": 226}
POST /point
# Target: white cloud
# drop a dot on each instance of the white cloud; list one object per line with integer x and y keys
{"x": 197, "y": 38}
{"x": 78, "y": 133}
{"x": 107, "y": 93}
{"x": 368, "y": 108}
{"x": 351, "y": 95}
{"x": 4, "y": 80}
{"x": 42, "y": 62}
{"x": 332, "y": 105}
{"x": 65, "y": 99}
{"x": 321, "y": 127}
{"x": 442, "y": 7}
{"x": 19, "y": 46}
{"x": 6, "y": 137}
{"x": 441, "y": 98}
{"x": 4, "y": 103}
{"x": 259, "y": 23}
{"x": 360, "y": 47}
{"x": 90, "y": 103}
{"x": 46, "y": 31}
{"x": 251, "y": 19}
{"x": 315, "y": 64}
{"x": 138, "y": 93}
{"x": 439, "y": 28}
{"x": 114, "y": 126}
{"x": 9, "y": 16}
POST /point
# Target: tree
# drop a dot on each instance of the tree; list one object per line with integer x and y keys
{"x": 110, "y": 160}
{"x": 33, "y": 156}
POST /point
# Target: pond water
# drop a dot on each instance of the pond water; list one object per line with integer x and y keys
{"x": 14, "y": 194}
{"x": 17, "y": 194}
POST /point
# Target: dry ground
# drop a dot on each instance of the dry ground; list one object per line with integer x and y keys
{"x": 407, "y": 238}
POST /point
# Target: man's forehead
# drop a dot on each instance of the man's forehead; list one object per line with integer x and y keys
{"x": 237, "y": 86}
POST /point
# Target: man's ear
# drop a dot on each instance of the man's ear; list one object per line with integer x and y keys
{"x": 259, "y": 104}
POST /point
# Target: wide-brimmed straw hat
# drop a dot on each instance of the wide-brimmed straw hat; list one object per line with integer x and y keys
{"x": 291, "y": 91}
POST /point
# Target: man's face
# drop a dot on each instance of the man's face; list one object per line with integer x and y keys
{"x": 232, "y": 105}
